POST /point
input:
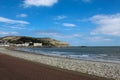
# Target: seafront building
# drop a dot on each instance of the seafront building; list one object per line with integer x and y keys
{"x": 37, "y": 44}
{"x": 26, "y": 44}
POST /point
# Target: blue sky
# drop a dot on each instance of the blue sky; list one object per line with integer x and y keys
{"x": 78, "y": 22}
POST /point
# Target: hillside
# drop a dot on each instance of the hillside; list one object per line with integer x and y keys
{"x": 46, "y": 42}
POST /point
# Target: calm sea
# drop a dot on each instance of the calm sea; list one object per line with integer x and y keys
{"x": 108, "y": 54}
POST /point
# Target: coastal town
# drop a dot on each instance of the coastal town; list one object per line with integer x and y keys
{"x": 26, "y": 44}
{"x": 24, "y": 41}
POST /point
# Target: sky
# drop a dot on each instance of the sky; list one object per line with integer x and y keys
{"x": 78, "y": 22}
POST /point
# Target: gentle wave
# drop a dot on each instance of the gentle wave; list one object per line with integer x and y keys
{"x": 109, "y": 54}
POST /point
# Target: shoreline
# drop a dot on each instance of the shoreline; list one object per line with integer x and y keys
{"x": 64, "y": 57}
{"x": 102, "y": 69}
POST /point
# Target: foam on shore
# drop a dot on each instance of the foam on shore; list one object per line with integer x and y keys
{"x": 102, "y": 69}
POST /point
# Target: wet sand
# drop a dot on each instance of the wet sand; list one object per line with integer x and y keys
{"x": 12, "y": 68}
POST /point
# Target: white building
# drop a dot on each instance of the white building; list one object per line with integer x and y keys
{"x": 37, "y": 44}
{"x": 24, "y": 45}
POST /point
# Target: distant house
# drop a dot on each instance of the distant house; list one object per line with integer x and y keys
{"x": 4, "y": 43}
{"x": 29, "y": 44}
{"x": 17, "y": 45}
{"x": 24, "y": 44}
{"x": 37, "y": 44}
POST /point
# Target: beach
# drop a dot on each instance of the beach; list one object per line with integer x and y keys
{"x": 80, "y": 68}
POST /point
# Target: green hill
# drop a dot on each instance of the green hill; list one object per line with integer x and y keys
{"x": 46, "y": 42}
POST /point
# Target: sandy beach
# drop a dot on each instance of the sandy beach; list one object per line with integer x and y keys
{"x": 17, "y": 69}
{"x": 24, "y": 66}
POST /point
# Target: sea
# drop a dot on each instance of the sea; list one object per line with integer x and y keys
{"x": 106, "y": 54}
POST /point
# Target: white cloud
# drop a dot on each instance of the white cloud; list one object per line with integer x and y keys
{"x": 68, "y": 24}
{"x": 22, "y": 15}
{"x": 28, "y": 3}
{"x": 10, "y": 21}
{"x": 107, "y": 24}
{"x": 57, "y": 34}
{"x": 86, "y": 1}
{"x": 68, "y": 36}
{"x": 97, "y": 38}
{"x": 18, "y": 27}
{"x": 60, "y": 17}
{"x": 77, "y": 35}
{"x": 47, "y": 33}
{"x": 6, "y": 33}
